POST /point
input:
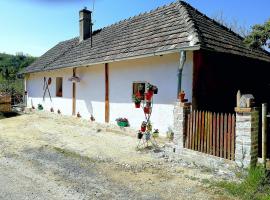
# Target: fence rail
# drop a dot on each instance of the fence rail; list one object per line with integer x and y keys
{"x": 211, "y": 133}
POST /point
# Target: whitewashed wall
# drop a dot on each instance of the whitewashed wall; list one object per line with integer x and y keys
{"x": 161, "y": 71}
{"x": 158, "y": 70}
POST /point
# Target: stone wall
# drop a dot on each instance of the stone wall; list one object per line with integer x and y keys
{"x": 247, "y": 127}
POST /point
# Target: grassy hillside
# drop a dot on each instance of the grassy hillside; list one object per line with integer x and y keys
{"x": 10, "y": 65}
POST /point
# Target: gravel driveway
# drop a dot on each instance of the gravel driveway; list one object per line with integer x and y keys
{"x": 47, "y": 156}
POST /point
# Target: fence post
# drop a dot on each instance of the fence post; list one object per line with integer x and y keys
{"x": 181, "y": 111}
{"x": 246, "y": 133}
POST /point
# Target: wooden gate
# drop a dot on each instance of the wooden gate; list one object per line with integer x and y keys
{"x": 211, "y": 133}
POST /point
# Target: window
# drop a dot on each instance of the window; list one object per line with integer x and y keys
{"x": 59, "y": 87}
{"x": 139, "y": 89}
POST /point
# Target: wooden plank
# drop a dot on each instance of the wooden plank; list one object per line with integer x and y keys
{"x": 225, "y": 135}
{"x": 214, "y": 133}
{"x": 229, "y": 135}
{"x": 199, "y": 131}
{"x": 107, "y": 103}
{"x": 218, "y": 131}
{"x": 211, "y": 133}
{"x": 233, "y": 138}
{"x": 208, "y": 133}
{"x": 190, "y": 131}
{"x": 187, "y": 137}
{"x": 221, "y": 150}
{"x": 205, "y": 132}
{"x": 193, "y": 130}
{"x": 202, "y": 132}
{"x": 196, "y": 130}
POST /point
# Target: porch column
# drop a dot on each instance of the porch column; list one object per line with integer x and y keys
{"x": 74, "y": 94}
{"x": 181, "y": 111}
{"x": 246, "y": 141}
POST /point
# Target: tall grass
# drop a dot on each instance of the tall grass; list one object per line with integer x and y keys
{"x": 256, "y": 185}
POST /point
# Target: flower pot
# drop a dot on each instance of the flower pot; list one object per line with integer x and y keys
{"x": 182, "y": 96}
{"x": 151, "y": 92}
{"x": 148, "y": 96}
{"x": 147, "y": 110}
{"x": 155, "y": 134}
{"x": 143, "y": 128}
{"x": 147, "y": 136}
{"x": 122, "y": 124}
{"x": 137, "y": 105}
{"x": 155, "y": 89}
{"x": 140, "y": 135}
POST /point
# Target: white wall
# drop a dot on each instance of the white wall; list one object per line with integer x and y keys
{"x": 35, "y": 91}
{"x": 161, "y": 71}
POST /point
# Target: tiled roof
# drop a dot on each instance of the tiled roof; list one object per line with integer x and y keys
{"x": 172, "y": 27}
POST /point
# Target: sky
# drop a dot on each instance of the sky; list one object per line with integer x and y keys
{"x": 35, "y": 26}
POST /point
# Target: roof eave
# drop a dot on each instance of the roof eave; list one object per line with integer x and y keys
{"x": 158, "y": 53}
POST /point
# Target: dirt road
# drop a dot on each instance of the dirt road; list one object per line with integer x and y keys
{"x": 45, "y": 156}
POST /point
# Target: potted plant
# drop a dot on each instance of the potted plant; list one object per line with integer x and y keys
{"x": 122, "y": 122}
{"x": 40, "y": 107}
{"x": 140, "y": 135}
{"x": 92, "y": 119}
{"x": 143, "y": 126}
{"x": 147, "y": 110}
{"x": 155, "y": 89}
{"x": 182, "y": 96}
{"x": 155, "y": 133}
{"x": 148, "y": 96}
{"x": 137, "y": 101}
{"x": 147, "y": 136}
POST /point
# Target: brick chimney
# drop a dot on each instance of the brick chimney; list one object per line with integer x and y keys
{"x": 85, "y": 24}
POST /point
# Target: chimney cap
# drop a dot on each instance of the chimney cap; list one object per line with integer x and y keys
{"x": 85, "y": 10}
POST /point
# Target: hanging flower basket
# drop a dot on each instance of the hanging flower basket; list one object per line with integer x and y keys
{"x": 137, "y": 105}
{"x": 148, "y": 96}
{"x": 147, "y": 110}
{"x": 139, "y": 135}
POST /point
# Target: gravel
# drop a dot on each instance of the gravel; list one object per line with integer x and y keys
{"x": 45, "y": 156}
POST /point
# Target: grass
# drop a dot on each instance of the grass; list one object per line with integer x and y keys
{"x": 255, "y": 186}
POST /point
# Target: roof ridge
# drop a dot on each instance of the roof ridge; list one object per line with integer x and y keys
{"x": 140, "y": 14}
{"x": 213, "y": 20}
{"x": 195, "y": 35}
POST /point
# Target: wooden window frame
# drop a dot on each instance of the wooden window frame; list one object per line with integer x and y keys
{"x": 58, "y": 93}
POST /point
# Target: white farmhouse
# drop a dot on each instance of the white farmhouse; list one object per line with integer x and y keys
{"x": 97, "y": 73}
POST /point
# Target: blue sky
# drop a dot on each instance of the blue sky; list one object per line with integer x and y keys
{"x": 34, "y": 26}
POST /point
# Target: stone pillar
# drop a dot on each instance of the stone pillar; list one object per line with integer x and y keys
{"x": 246, "y": 141}
{"x": 181, "y": 111}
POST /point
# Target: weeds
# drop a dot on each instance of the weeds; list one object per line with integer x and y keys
{"x": 255, "y": 186}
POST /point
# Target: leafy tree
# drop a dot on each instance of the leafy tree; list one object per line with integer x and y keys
{"x": 10, "y": 65}
{"x": 259, "y": 36}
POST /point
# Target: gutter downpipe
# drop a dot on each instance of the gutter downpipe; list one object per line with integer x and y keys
{"x": 180, "y": 70}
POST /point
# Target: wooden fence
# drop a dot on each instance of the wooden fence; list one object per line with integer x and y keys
{"x": 211, "y": 133}
{"x": 5, "y": 103}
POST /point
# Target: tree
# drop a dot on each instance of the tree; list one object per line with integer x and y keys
{"x": 232, "y": 24}
{"x": 259, "y": 36}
